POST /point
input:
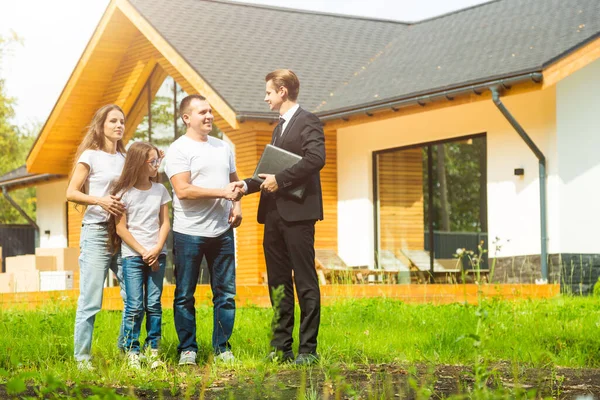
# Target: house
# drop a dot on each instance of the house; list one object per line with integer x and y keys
{"x": 440, "y": 134}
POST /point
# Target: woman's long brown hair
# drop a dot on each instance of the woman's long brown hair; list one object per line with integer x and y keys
{"x": 137, "y": 155}
{"x": 94, "y": 138}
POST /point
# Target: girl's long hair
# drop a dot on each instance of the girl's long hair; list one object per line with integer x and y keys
{"x": 94, "y": 138}
{"x": 137, "y": 155}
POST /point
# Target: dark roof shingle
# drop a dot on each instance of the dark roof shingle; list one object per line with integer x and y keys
{"x": 499, "y": 39}
{"x": 233, "y": 46}
{"x": 346, "y": 62}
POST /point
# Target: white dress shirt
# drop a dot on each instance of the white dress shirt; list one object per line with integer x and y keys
{"x": 287, "y": 116}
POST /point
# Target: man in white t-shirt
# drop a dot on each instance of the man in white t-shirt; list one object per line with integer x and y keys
{"x": 206, "y": 194}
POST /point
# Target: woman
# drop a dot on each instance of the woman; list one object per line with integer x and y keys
{"x": 99, "y": 162}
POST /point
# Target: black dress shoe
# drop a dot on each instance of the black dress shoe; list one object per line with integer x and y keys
{"x": 280, "y": 357}
{"x": 304, "y": 359}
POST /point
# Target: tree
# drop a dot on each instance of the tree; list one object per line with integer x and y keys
{"x": 15, "y": 143}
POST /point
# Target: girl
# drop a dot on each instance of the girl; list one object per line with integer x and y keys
{"x": 142, "y": 231}
{"x": 99, "y": 161}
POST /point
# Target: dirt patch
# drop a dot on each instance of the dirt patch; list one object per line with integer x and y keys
{"x": 373, "y": 381}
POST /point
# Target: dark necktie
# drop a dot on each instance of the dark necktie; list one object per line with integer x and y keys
{"x": 278, "y": 130}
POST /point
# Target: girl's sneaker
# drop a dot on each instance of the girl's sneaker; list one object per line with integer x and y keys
{"x": 133, "y": 361}
{"x": 153, "y": 359}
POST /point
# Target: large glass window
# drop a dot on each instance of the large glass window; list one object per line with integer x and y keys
{"x": 437, "y": 188}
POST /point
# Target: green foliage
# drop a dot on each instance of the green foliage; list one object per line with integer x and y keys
{"x": 354, "y": 333}
{"x": 15, "y": 143}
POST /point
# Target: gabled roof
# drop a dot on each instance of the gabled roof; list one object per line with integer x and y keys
{"x": 234, "y": 45}
{"x": 346, "y": 62}
{"x": 347, "y": 65}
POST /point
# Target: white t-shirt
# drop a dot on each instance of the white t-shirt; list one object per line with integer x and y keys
{"x": 105, "y": 168}
{"x": 209, "y": 164}
{"x": 142, "y": 208}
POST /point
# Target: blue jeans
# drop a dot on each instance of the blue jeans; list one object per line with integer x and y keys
{"x": 144, "y": 289}
{"x": 94, "y": 261}
{"x": 188, "y": 252}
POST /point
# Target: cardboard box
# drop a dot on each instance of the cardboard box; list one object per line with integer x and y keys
{"x": 27, "y": 281}
{"x": 30, "y": 263}
{"x": 7, "y": 283}
{"x": 56, "y": 280}
{"x": 67, "y": 259}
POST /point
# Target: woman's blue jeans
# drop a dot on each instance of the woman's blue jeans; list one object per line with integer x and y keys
{"x": 94, "y": 261}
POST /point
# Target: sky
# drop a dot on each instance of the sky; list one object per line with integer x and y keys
{"x": 53, "y": 35}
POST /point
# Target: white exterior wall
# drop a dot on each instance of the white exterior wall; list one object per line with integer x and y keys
{"x": 51, "y": 214}
{"x": 578, "y": 131}
{"x": 513, "y": 202}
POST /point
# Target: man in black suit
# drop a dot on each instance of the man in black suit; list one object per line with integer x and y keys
{"x": 289, "y": 235}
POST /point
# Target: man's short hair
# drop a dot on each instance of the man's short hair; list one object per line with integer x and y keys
{"x": 184, "y": 106}
{"x": 286, "y": 78}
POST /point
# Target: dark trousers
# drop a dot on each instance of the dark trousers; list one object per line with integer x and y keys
{"x": 289, "y": 246}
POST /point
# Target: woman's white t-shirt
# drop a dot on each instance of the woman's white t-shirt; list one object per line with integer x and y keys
{"x": 142, "y": 208}
{"x": 105, "y": 168}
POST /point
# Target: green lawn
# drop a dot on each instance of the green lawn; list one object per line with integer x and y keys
{"x": 540, "y": 334}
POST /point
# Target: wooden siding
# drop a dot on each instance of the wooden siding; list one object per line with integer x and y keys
{"x": 326, "y": 235}
{"x": 74, "y": 218}
{"x": 400, "y": 183}
{"x": 249, "y": 143}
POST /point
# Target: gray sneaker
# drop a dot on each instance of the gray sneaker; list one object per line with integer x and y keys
{"x": 225, "y": 357}
{"x": 187, "y": 357}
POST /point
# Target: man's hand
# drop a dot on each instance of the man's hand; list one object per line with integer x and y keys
{"x": 270, "y": 184}
{"x": 234, "y": 191}
{"x": 235, "y": 215}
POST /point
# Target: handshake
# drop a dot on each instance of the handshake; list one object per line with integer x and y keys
{"x": 234, "y": 191}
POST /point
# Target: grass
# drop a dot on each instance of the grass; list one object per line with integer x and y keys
{"x": 36, "y": 347}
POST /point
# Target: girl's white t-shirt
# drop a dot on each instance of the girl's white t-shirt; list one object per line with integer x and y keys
{"x": 142, "y": 208}
{"x": 105, "y": 168}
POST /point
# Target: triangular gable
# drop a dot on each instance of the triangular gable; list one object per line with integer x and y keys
{"x": 124, "y": 53}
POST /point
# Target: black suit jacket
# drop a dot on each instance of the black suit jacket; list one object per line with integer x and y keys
{"x": 303, "y": 136}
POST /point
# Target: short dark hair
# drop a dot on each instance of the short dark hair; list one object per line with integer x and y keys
{"x": 184, "y": 106}
{"x": 286, "y": 78}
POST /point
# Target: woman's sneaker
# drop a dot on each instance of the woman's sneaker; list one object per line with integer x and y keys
{"x": 133, "y": 361}
{"x": 187, "y": 358}
{"x": 85, "y": 365}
